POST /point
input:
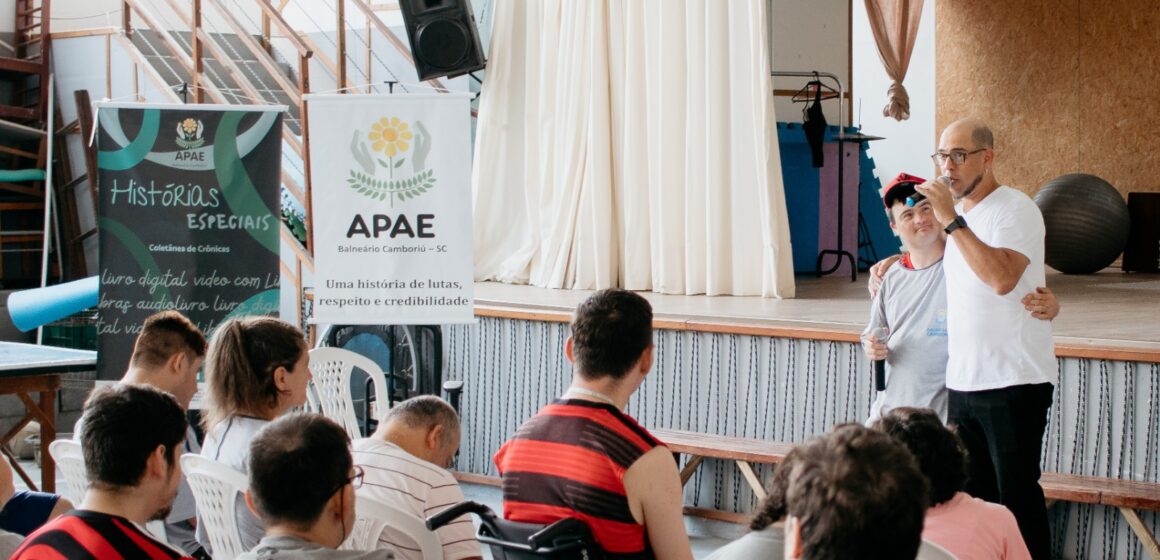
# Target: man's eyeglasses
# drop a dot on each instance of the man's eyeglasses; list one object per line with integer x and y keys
{"x": 355, "y": 480}
{"x": 957, "y": 156}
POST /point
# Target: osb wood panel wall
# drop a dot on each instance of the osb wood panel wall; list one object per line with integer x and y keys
{"x": 1068, "y": 86}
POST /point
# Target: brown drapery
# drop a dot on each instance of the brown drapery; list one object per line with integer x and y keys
{"x": 895, "y": 26}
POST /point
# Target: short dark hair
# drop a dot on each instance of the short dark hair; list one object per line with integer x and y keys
{"x": 164, "y": 334}
{"x": 772, "y": 507}
{"x": 297, "y": 463}
{"x": 122, "y": 426}
{"x": 857, "y": 493}
{"x": 610, "y": 331}
{"x": 939, "y": 452}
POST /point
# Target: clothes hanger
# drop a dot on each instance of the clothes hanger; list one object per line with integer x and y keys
{"x": 814, "y": 89}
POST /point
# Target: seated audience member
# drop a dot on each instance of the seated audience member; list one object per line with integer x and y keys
{"x": 256, "y": 370}
{"x": 854, "y": 493}
{"x": 167, "y": 355}
{"x": 581, "y": 456}
{"x": 406, "y": 462}
{"x": 25, "y": 511}
{"x": 766, "y": 537}
{"x": 132, "y": 441}
{"x": 302, "y": 484}
{"x": 967, "y": 527}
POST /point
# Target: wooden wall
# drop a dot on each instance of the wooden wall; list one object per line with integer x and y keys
{"x": 1069, "y": 86}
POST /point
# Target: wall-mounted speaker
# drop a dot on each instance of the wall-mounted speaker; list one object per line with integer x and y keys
{"x": 443, "y": 36}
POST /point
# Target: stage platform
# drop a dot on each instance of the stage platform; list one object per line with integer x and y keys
{"x": 1108, "y": 315}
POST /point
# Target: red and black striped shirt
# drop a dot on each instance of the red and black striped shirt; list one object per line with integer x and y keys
{"x": 569, "y": 461}
{"x": 84, "y": 535}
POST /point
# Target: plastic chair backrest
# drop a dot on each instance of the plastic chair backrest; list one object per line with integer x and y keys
{"x": 71, "y": 460}
{"x": 374, "y": 515}
{"x": 215, "y": 490}
{"x": 70, "y": 457}
{"x": 331, "y": 369}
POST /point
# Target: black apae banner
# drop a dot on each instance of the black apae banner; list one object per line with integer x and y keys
{"x": 189, "y": 218}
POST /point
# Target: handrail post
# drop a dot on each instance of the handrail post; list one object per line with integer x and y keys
{"x": 198, "y": 62}
{"x": 126, "y": 19}
{"x": 370, "y": 80}
{"x": 340, "y": 13}
{"x": 304, "y": 87}
{"x": 265, "y": 31}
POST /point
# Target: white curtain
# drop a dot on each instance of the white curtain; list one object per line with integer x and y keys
{"x": 631, "y": 143}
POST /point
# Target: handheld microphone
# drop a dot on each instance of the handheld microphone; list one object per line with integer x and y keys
{"x": 917, "y": 197}
{"x": 879, "y": 375}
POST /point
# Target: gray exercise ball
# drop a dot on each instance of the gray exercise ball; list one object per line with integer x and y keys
{"x": 1087, "y": 223}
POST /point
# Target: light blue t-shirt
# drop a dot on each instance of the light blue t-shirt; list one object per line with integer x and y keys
{"x": 913, "y": 304}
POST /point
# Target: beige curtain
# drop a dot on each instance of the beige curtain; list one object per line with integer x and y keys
{"x": 895, "y": 26}
{"x": 631, "y": 143}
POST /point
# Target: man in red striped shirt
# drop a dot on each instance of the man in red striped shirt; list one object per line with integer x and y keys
{"x": 132, "y": 439}
{"x": 582, "y": 456}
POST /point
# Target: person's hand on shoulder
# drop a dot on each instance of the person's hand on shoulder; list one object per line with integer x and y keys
{"x": 878, "y": 271}
{"x": 1042, "y": 304}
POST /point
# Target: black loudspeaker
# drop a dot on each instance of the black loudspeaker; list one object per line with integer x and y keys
{"x": 443, "y": 37}
{"x": 1143, "y": 251}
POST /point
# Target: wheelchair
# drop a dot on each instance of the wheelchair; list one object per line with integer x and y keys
{"x": 566, "y": 539}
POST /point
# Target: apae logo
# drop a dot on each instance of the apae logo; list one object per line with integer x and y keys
{"x": 189, "y": 133}
{"x": 390, "y": 141}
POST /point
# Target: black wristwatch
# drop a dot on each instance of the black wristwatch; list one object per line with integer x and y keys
{"x": 958, "y": 222}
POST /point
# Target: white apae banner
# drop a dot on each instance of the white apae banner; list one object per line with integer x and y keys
{"x": 391, "y": 193}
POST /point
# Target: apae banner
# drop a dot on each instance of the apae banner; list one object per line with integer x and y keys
{"x": 391, "y": 180}
{"x": 189, "y": 217}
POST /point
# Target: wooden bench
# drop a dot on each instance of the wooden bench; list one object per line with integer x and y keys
{"x": 1126, "y": 495}
{"x": 742, "y": 451}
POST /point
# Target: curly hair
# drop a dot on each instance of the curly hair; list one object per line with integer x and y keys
{"x": 772, "y": 508}
{"x": 857, "y": 493}
{"x": 940, "y": 454}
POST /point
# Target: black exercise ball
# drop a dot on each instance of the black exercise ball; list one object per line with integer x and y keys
{"x": 1087, "y": 223}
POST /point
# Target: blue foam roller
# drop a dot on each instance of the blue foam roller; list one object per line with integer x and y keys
{"x": 39, "y": 306}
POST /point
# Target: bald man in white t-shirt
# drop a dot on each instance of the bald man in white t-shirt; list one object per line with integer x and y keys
{"x": 1001, "y": 370}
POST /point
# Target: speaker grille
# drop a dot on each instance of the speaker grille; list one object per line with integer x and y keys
{"x": 443, "y": 43}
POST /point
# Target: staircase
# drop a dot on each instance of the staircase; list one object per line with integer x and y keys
{"x": 23, "y": 144}
{"x": 255, "y": 78}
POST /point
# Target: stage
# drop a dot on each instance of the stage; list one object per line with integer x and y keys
{"x": 787, "y": 370}
{"x": 1111, "y": 315}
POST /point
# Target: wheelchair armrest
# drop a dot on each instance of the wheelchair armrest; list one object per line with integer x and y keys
{"x": 570, "y": 527}
{"x": 446, "y": 516}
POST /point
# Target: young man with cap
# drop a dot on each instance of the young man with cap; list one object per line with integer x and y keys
{"x": 911, "y": 302}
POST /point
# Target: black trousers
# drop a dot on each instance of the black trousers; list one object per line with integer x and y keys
{"x": 1002, "y": 430}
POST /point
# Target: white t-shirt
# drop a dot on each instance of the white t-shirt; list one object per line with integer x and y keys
{"x": 993, "y": 342}
{"x": 395, "y": 477}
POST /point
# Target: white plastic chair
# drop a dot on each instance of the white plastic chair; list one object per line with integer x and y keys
{"x": 373, "y": 516}
{"x": 331, "y": 369}
{"x": 216, "y": 487}
{"x": 71, "y": 459}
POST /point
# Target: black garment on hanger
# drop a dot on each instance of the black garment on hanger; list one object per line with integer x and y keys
{"x": 814, "y": 125}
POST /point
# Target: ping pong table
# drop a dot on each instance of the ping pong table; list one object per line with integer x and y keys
{"x": 27, "y": 369}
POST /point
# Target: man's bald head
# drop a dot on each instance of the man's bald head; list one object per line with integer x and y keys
{"x": 979, "y": 133}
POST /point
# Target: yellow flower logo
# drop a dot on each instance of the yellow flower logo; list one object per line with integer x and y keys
{"x": 189, "y": 125}
{"x": 390, "y": 136}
